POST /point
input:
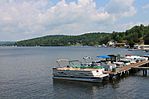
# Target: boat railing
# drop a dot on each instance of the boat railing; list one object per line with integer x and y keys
{"x": 61, "y": 61}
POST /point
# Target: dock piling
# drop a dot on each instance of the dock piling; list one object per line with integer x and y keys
{"x": 144, "y": 72}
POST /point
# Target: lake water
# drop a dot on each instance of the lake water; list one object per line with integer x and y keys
{"x": 26, "y": 73}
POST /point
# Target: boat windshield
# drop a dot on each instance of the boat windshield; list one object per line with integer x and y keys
{"x": 62, "y": 62}
{"x": 75, "y": 63}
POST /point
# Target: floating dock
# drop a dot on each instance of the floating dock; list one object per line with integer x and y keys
{"x": 144, "y": 65}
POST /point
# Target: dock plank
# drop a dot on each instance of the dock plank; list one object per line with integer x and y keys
{"x": 128, "y": 67}
{"x": 141, "y": 68}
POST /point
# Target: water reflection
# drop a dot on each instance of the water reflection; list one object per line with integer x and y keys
{"x": 65, "y": 89}
{"x": 76, "y": 90}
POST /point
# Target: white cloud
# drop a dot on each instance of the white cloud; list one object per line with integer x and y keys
{"x": 42, "y": 17}
{"x": 121, "y": 8}
{"x": 146, "y": 6}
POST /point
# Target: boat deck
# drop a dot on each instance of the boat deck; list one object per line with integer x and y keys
{"x": 75, "y": 69}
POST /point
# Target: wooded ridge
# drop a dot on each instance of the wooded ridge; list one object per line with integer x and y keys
{"x": 135, "y": 35}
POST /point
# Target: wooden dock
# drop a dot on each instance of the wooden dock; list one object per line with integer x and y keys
{"x": 144, "y": 65}
{"x": 141, "y": 68}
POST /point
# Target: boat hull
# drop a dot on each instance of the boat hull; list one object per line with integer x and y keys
{"x": 80, "y": 79}
{"x": 88, "y": 75}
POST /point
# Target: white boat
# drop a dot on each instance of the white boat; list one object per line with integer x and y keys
{"x": 77, "y": 72}
{"x": 136, "y": 58}
{"x": 147, "y": 56}
{"x": 127, "y": 61}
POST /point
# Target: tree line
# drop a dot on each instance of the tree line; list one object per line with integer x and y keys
{"x": 135, "y": 35}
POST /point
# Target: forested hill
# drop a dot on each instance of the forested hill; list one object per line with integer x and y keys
{"x": 65, "y": 40}
{"x": 137, "y": 34}
{"x": 6, "y": 43}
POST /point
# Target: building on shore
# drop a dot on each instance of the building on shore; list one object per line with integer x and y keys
{"x": 116, "y": 44}
{"x": 120, "y": 44}
{"x": 111, "y": 43}
{"x": 142, "y": 47}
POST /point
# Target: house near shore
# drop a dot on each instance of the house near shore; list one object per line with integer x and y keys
{"x": 120, "y": 44}
{"x": 111, "y": 43}
{"x": 142, "y": 47}
{"x": 115, "y": 44}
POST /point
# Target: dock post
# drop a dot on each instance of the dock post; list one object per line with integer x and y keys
{"x": 127, "y": 72}
{"x": 110, "y": 77}
{"x": 118, "y": 75}
{"x": 144, "y": 72}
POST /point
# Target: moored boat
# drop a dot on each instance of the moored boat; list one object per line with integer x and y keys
{"x": 75, "y": 70}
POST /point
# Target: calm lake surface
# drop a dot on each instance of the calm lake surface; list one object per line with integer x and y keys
{"x": 26, "y": 73}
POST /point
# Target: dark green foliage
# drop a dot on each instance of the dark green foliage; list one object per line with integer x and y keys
{"x": 89, "y": 39}
{"x": 146, "y": 39}
{"x": 7, "y": 43}
{"x": 137, "y": 33}
{"x": 131, "y": 36}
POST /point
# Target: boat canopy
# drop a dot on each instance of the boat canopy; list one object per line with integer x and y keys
{"x": 87, "y": 57}
{"x": 66, "y": 62}
{"x": 59, "y": 60}
{"x": 146, "y": 55}
{"x": 103, "y": 56}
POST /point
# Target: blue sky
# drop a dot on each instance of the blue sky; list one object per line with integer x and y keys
{"x": 24, "y": 19}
